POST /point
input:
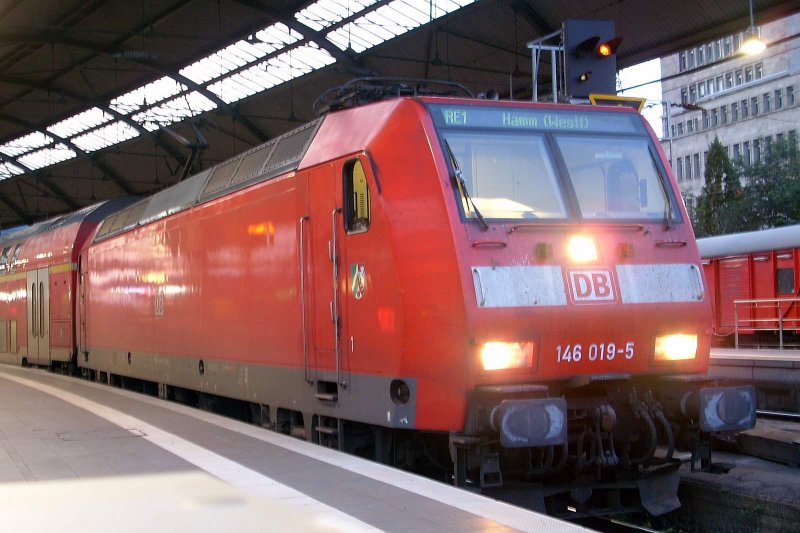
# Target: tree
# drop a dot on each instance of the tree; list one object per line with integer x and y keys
{"x": 719, "y": 204}
{"x": 773, "y": 188}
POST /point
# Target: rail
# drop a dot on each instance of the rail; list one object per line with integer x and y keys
{"x": 771, "y": 316}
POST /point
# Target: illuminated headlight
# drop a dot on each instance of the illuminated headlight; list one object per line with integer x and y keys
{"x": 676, "y": 347}
{"x": 503, "y": 355}
{"x": 581, "y": 249}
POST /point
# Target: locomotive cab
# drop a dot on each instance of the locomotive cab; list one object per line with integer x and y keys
{"x": 584, "y": 298}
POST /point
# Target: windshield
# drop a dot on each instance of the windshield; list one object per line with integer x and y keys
{"x": 614, "y": 178}
{"x": 545, "y": 164}
{"x": 508, "y": 176}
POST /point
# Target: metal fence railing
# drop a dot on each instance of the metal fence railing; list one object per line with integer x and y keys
{"x": 766, "y": 314}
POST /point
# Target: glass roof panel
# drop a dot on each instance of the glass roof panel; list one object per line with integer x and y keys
{"x": 9, "y": 169}
{"x": 391, "y": 20}
{"x": 325, "y": 13}
{"x": 79, "y": 123}
{"x": 241, "y": 53}
{"x": 109, "y": 135}
{"x": 149, "y": 94}
{"x": 180, "y": 108}
{"x": 47, "y": 156}
{"x": 274, "y": 71}
{"x": 26, "y": 143}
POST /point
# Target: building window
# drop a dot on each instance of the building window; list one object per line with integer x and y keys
{"x": 793, "y": 138}
{"x": 737, "y": 42}
{"x": 680, "y": 169}
{"x": 673, "y": 130}
{"x": 700, "y": 56}
{"x": 767, "y": 102}
{"x": 728, "y": 80}
{"x": 690, "y": 59}
{"x": 689, "y": 126}
{"x": 768, "y": 143}
{"x": 696, "y": 124}
{"x": 718, "y": 49}
{"x": 748, "y": 74}
{"x": 696, "y": 165}
{"x": 682, "y": 61}
{"x": 778, "y": 98}
{"x": 779, "y": 137}
{"x": 687, "y": 163}
{"x": 754, "y": 106}
{"x": 759, "y": 70}
{"x": 680, "y": 128}
{"x": 745, "y": 109}
{"x": 684, "y": 96}
{"x": 756, "y": 151}
{"x": 719, "y": 84}
{"x": 723, "y": 114}
{"x": 738, "y": 76}
{"x": 705, "y": 119}
{"x": 714, "y": 117}
{"x": 746, "y": 152}
{"x": 726, "y": 46}
{"x": 692, "y": 94}
{"x": 737, "y": 154}
{"x": 734, "y": 111}
{"x": 790, "y": 95}
{"x": 701, "y": 89}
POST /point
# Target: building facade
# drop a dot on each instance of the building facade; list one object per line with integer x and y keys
{"x": 715, "y": 91}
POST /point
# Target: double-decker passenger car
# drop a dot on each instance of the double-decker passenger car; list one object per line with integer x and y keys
{"x": 509, "y": 292}
{"x": 38, "y": 275}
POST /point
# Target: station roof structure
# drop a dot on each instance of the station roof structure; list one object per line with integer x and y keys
{"x": 106, "y": 98}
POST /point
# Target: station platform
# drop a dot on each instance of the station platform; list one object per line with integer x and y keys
{"x": 80, "y": 456}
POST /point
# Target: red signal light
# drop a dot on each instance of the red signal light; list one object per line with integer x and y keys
{"x": 608, "y": 48}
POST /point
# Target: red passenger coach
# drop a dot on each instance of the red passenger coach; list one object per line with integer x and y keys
{"x": 753, "y": 283}
{"x": 499, "y": 292}
{"x": 38, "y": 274}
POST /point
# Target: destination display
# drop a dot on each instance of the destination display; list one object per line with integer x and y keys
{"x": 587, "y": 121}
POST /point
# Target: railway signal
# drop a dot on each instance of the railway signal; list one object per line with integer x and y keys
{"x": 590, "y": 62}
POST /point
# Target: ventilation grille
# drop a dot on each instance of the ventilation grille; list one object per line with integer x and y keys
{"x": 276, "y": 157}
{"x": 125, "y": 219}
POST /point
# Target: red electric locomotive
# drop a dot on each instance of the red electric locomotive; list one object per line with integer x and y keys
{"x": 753, "y": 284}
{"x": 508, "y": 291}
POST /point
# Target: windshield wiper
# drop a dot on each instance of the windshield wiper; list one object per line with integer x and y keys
{"x": 462, "y": 185}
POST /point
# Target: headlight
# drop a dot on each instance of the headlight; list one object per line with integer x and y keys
{"x": 676, "y": 347}
{"x": 503, "y": 355}
{"x": 581, "y": 249}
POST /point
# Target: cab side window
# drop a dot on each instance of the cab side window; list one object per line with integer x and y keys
{"x": 356, "y": 198}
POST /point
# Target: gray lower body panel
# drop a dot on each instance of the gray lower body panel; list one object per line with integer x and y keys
{"x": 366, "y": 398}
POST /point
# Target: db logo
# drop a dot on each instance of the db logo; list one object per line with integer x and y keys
{"x": 591, "y": 285}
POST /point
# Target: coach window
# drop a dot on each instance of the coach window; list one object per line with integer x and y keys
{"x": 12, "y": 260}
{"x": 785, "y": 280}
{"x": 356, "y": 198}
{"x": 4, "y": 259}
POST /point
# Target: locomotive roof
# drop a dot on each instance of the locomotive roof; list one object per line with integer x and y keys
{"x": 280, "y": 155}
{"x": 782, "y": 238}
